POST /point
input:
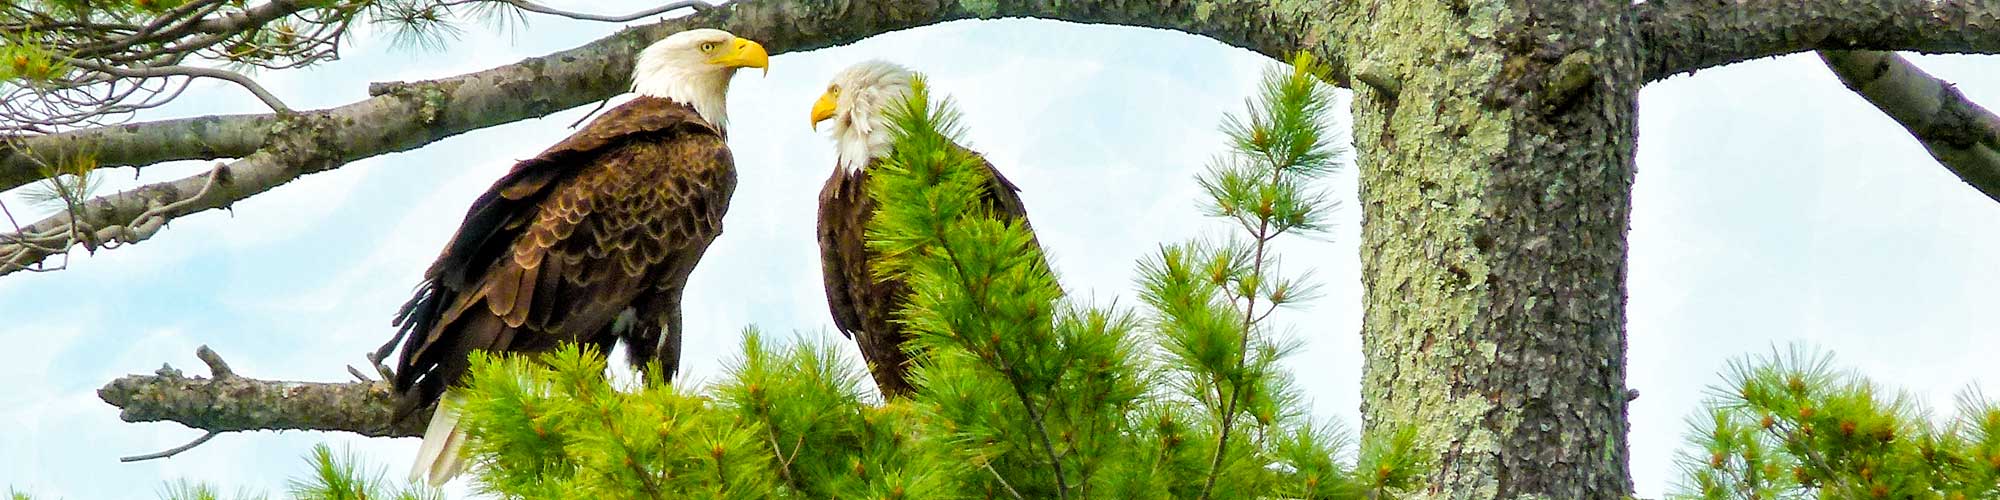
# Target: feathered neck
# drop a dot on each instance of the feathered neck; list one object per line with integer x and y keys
{"x": 862, "y": 141}
{"x": 861, "y": 128}
{"x": 701, "y": 87}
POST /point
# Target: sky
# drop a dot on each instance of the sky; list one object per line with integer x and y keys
{"x": 1772, "y": 207}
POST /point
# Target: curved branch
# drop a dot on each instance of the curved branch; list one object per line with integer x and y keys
{"x": 1959, "y": 133}
{"x": 171, "y": 451}
{"x": 226, "y": 402}
{"x": 193, "y": 71}
{"x": 410, "y": 115}
{"x": 1680, "y": 36}
{"x": 670, "y": 6}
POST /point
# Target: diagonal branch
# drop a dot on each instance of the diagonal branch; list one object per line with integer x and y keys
{"x": 1680, "y": 36}
{"x": 227, "y": 402}
{"x": 664, "y": 8}
{"x": 1959, "y": 133}
{"x": 409, "y": 115}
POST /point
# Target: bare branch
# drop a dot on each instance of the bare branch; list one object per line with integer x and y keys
{"x": 1680, "y": 36}
{"x": 251, "y": 17}
{"x": 410, "y": 115}
{"x": 113, "y": 65}
{"x": 231, "y": 403}
{"x": 138, "y": 145}
{"x": 171, "y": 451}
{"x": 988, "y": 465}
{"x": 1959, "y": 133}
{"x": 663, "y": 8}
{"x": 593, "y": 112}
{"x": 214, "y": 361}
{"x": 158, "y": 71}
{"x": 58, "y": 232}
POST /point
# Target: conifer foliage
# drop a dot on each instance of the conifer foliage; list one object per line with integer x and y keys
{"x": 1790, "y": 425}
{"x": 1022, "y": 392}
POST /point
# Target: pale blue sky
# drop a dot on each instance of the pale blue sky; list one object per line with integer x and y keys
{"x": 1772, "y": 206}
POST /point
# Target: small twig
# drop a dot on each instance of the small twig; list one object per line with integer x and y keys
{"x": 10, "y": 216}
{"x": 151, "y": 220}
{"x": 593, "y": 111}
{"x": 1780, "y": 431}
{"x": 784, "y": 463}
{"x": 191, "y": 71}
{"x": 382, "y": 353}
{"x": 988, "y": 465}
{"x": 540, "y": 9}
{"x": 171, "y": 451}
{"x": 356, "y": 372}
{"x": 216, "y": 367}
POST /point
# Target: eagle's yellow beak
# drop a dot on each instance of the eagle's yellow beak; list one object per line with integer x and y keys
{"x": 823, "y": 108}
{"x": 743, "y": 53}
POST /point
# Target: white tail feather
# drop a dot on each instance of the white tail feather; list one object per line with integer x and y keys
{"x": 438, "y": 458}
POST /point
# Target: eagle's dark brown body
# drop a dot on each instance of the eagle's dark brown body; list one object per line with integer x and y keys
{"x": 864, "y": 307}
{"x": 611, "y": 219}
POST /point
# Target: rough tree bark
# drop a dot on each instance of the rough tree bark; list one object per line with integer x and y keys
{"x": 227, "y": 402}
{"x": 1497, "y": 161}
{"x": 1496, "y": 143}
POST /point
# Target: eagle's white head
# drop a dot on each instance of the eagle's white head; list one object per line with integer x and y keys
{"x": 693, "y": 68}
{"x": 858, "y": 103}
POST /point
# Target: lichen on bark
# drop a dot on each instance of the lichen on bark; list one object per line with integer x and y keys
{"x": 227, "y": 402}
{"x": 1471, "y": 206}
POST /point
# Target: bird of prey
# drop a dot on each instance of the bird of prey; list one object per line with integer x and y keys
{"x": 604, "y": 225}
{"x": 857, "y": 103}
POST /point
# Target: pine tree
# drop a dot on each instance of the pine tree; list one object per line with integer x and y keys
{"x": 1024, "y": 393}
{"x": 1790, "y": 425}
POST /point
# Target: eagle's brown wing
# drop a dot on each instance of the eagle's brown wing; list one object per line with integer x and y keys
{"x": 864, "y": 308}
{"x": 566, "y": 241}
{"x": 844, "y": 212}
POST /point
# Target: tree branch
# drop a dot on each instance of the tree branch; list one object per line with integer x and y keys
{"x": 1680, "y": 36}
{"x": 137, "y": 145}
{"x": 239, "y": 79}
{"x": 250, "y": 17}
{"x": 171, "y": 451}
{"x": 411, "y": 115}
{"x": 1959, "y": 133}
{"x": 541, "y": 9}
{"x": 127, "y": 63}
{"x": 226, "y": 402}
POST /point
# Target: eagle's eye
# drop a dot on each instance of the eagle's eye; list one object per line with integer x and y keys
{"x": 833, "y": 89}
{"x": 708, "y": 47}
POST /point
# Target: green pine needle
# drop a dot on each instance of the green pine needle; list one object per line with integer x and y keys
{"x": 1791, "y": 425}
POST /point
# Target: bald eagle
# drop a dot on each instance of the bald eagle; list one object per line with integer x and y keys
{"x": 864, "y": 307}
{"x": 606, "y": 224}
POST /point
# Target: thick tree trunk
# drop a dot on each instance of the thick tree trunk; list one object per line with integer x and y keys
{"x": 1496, "y": 149}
